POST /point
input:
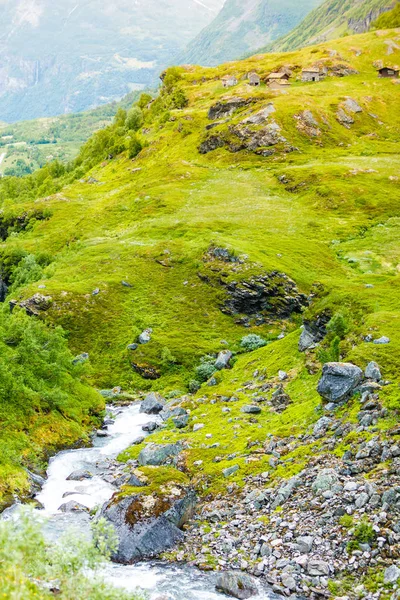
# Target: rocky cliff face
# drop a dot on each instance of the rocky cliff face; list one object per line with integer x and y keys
{"x": 73, "y": 55}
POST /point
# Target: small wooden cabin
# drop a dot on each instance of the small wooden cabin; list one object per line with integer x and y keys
{"x": 229, "y": 81}
{"x": 254, "y": 79}
{"x": 388, "y": 72}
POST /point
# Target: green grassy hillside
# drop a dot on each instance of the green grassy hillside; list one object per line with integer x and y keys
{"x": 330, "y": 20}
{"x": 311, "y": 192}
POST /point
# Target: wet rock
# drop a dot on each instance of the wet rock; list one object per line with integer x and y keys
{"x": 101, "y": 433}
{"x": 236, "y": 584}
{"x": 147, "y": 525}
{"x": 73, "y": 506}
{"x": 150, "y": 427}
{"x": 226, "y": 109}
{"x": 223, "y": 360}
{"x": 339, "y": 381}
{"x": 373, "y": 371}
{"x": 159, "y": 454}
{"x": 80, "y": 475}
{"x": 153, "y": 404}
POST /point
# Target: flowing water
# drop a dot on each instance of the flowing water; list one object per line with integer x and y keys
{"x": 176, "y": 583}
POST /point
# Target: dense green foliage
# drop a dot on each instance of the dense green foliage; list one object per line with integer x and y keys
{"x": 43, "y": 402}
{"x": 388, "y": 20}
{"x": 33, "y": 569}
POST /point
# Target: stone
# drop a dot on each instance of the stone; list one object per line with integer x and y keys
{"x": 134, "y": 481}
{"x": 181, "y": 422}
{"x": 382, "y": 340}
{"x": 352, "y": 105}
{"x": 391, "y": 574}
{"x": 373, "y": 371}
{"x": 81, "y": 359}
{"x": 316, "y": 568}
{"x": 339, "y": 381}
{"x": 344, "y": 118}
{"x": 304, "y": 544}
{"x": 223, "y": 360}
{"x": 80, "y": 475}
{"x": 133, "y": 347}
{"x": 280, "y": 400}
{"x": 36, "y": 304}
{"x": 147, "y": 525}
{"x": 288, "y": 582}
{"x": 361, "y": 500}
{"x": 153, "y": 404}
{"x": 198, "y": 427}
{"x": 138, "y": 441}
{"x": 325, "y": 480}
{"x": 226, "y": 109}
{"x": 126, "y": 284}
{"x": 237, "y": 584}
{"x": 159, "y": 454}
{"x": 251, "y": 409}
{"x": 145, "y": 336}
{"x": 101, "y": 433}
{"x": 73, "y": 506}
{"x": 306, "y": 340}
{"x": 282, "y": 375}
{"x": 321, "y": 426}
{"x": 261, "y": 116}
{"x": 212, "y": 143}
{"x": 150, "y": 427}
{"x": 230, "y": 470}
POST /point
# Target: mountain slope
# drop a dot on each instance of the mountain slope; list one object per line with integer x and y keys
{"x": 227, "y": 223}
{"x": 331, "y": 20}
{"x": 98, "y": 52}
{"x": 242, "y": 26}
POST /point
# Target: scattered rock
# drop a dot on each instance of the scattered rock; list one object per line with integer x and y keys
{"x": 339, "y": 381}
{"x": 373, "y": 371}
{"x": 80, "y": 475}
{"x": 344, "y": 118}
{"x": 227, "y": 108}
{"x": 382, "y": 340}
{"x": 73, "y": 506}
{"x": 391, "y": 574}
{"x": 145, "y": 336}
{"x": 159, "y": 454}
{"x": 223, "y": 360}
{"x": 230, "y": 470}
{"x": 81, "y": 358}
{"x": 150, "y": 427}
{"x": 181, "y": 422}
{"x": 236, "y": 584}
{"x": 37, "y": 304}
{"x": 251, "y": 409}
{"x": 352, "y": 105}
{"x": 198, "y": 427}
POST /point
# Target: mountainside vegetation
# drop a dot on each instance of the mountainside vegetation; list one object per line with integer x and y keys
{"x": 241, "y": 28}
{"x": 330, "y": 20}
{"x": 176, "y": 217}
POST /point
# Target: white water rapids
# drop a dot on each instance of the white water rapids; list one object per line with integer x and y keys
{"x": 158, "y": 579}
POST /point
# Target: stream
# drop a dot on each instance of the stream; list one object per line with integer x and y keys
{"x": 157, "y": 578}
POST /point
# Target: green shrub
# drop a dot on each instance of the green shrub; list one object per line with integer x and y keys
{"x": 338, "y": 326}
{"x": 330, "y": 354}
{"x": 252, "y": 342}
{"x": 346, "y": 521}
{"x": 194, "y": 386}
{"x": 364, "y": 533}
{"x": 27, "y": 271}
{"x": 134, "y": 146}
{"x": 205, "y": 371}
{"x": 134, "y": 119}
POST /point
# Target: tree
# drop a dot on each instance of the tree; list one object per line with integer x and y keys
{"x": 134, "y": 119}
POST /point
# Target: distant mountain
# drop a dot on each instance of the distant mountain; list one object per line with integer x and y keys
{"x": 71, "y": 55}
{"x": 243, "y": 26}
{"x": 333, "y": 19}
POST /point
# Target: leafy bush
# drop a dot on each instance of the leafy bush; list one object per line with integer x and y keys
{"x": 27, "y": 271}
{"x": 134, "y": 146}
{"x": 194, "y": 386}
{"x": 28, "y": 564}
{"x": 330, "y": 354}
{"x": 134, "y": 119}
{"x": 364, "y": 533}
{"x": 178, "y": 99}
{"x": 338, "y": 326}
{"x": 252, "y": 342}
{"x": 205, "y": 371}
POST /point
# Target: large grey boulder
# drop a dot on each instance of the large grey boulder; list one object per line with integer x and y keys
{"x": 159, "y": 454}
{"x": 152, "y": 404}
{"x": 339, "y": 381}
{"x": 223, "y": 360}
{"x": 237, "y": 584}
{"x": 147, "y": 525}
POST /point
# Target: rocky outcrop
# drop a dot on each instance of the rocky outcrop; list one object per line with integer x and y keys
{"x": 227, "y": 108}
{"x": 339, "y": 381}
{"x": 274, "y": 294}
{"x": 147, "y": 525}
{"x": 211, "y": 144}
{"x": 314, "y": 330}
{"x": 33, "y": 306}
